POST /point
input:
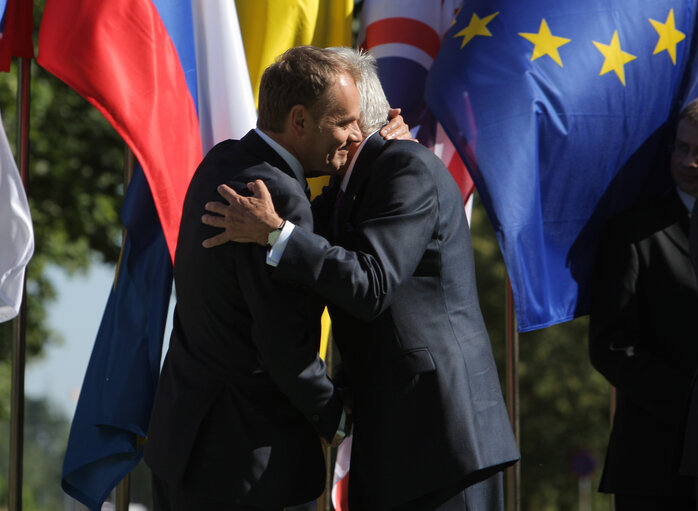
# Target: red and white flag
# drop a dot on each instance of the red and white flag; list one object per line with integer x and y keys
{"x": 340, "y": 479}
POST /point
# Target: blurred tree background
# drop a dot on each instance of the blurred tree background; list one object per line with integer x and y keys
{"x": 76, "y": 190}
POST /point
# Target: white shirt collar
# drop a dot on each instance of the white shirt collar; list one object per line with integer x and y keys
{"x": 688, "y": 200}
{"x": 290, "y": 160}
{"x": 347, "y": 174}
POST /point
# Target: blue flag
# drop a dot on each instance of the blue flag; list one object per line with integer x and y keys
{"x": 562, "y": 111}
{"x": 117, "y": 393}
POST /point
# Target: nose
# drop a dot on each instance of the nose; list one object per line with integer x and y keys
{"x": 690, "y": 160}
{"x": 354, "y": 132}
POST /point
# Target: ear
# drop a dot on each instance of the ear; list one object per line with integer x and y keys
{"x": 298, "y": 118}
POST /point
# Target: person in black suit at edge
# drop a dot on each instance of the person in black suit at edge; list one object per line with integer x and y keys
{"x": 396, "y": 268}
{"x": 643, "y": 336}
{"x": 243, "y": 397}
{"x": 687, "y": 143}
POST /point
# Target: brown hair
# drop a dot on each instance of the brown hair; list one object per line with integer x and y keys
{"x": 690, "y": 113}
{"x": 300, "y": 76}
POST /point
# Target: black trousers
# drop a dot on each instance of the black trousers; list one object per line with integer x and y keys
{"x": 170, "y": 498}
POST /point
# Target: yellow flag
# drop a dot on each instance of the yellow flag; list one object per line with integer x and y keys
{"x": 270, "y": 27}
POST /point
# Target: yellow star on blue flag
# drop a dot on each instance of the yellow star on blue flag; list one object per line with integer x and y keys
{"x": 545, "y": 43}
{"x": 669, "y": 37}
{"x": 560, "y": 112}
{"x": 476, "y": 27}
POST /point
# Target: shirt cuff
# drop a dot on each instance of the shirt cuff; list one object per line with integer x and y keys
{"x": 276, "y": 252}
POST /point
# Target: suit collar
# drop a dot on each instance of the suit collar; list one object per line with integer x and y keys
{"x": 352, "y": 164}
{"x": 362, "y": 162}
{"x": 361, "y": 169}
{"x": 290, "y": 160}
{"x": 263, "y": 151}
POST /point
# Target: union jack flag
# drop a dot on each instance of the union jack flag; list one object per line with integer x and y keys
{"x": 405, "y": 37}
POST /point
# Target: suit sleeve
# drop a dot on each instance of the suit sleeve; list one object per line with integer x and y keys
{"x": 286, "y": 322}
{"x": 400, "y": 210}
{"x": 618, "y": 345}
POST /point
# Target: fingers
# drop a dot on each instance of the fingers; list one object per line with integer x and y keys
{"x": 213, "y": 220}
{"x": 227, "y": 193}
{"x": 260, "y": 190}
{"x": 214, "y": 241}
{"x": 396, "y": 128}
{"x": 394, "y": 112}
{"x": 216, "y": 207}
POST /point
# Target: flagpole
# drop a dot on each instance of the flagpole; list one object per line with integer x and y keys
{"x": 123, "y": 489}
{"x": 19, "y": 341}
{"x": 512, "y": 369}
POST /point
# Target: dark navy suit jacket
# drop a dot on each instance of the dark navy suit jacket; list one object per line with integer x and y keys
{"x": 400, "y": 284}
{"x": 243, "y": 396}
{"x": 644, "y": 339}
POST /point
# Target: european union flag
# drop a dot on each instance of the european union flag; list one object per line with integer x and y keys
{"x": 117, "y": 394}
{"x": 561, "y": 110}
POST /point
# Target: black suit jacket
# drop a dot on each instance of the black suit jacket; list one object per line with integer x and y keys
{"x": 401, "y": 287}
{"x": 643, "y": 339}
{"x": 243, "y": 395}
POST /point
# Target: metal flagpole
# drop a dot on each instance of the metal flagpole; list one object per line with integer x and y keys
{"x": 512, "y": 394}
{"x": 19, "y": 338}
{"x": 123, "y": 489}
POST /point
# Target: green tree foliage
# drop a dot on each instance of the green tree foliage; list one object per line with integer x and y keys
{"x": 46, "y": 434}
{"x": 75, "y": 188}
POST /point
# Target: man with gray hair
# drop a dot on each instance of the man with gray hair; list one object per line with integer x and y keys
{"x": 393, "y": 259}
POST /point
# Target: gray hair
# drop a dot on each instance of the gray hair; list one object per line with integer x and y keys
{"x": 374, "y": 104}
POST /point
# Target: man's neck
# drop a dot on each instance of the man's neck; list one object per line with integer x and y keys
{"x": 283, "y": 148}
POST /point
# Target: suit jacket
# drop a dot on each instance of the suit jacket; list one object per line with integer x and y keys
{"x": 693, "y": 237}
{"x": 643, "y": 333}
{"x": 400, "y": 283}
{"x": 243, "y": 395}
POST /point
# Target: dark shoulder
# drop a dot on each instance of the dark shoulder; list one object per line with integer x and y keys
{"x": 400, "y": 153}
{"x": 230, "y": 163}
{"x": 408, "y": 148}
{"x": 646, "y": 219}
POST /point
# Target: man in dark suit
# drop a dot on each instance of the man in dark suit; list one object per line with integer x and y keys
{"x": 643, "y": 337}
{"x": 689, "y": 135}
{"x": 429, "y": 418}
{"x": 243, "y": 397}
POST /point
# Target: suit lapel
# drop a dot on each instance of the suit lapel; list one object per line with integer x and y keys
{"x": 360, "y": 173}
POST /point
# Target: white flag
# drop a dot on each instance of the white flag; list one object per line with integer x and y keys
{"x": 16, "y": 233}
{"x": 226, "y": 102}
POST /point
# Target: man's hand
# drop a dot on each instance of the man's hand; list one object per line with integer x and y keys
{"x": 396, "y": 128}
{"x": 244, "y": 219}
